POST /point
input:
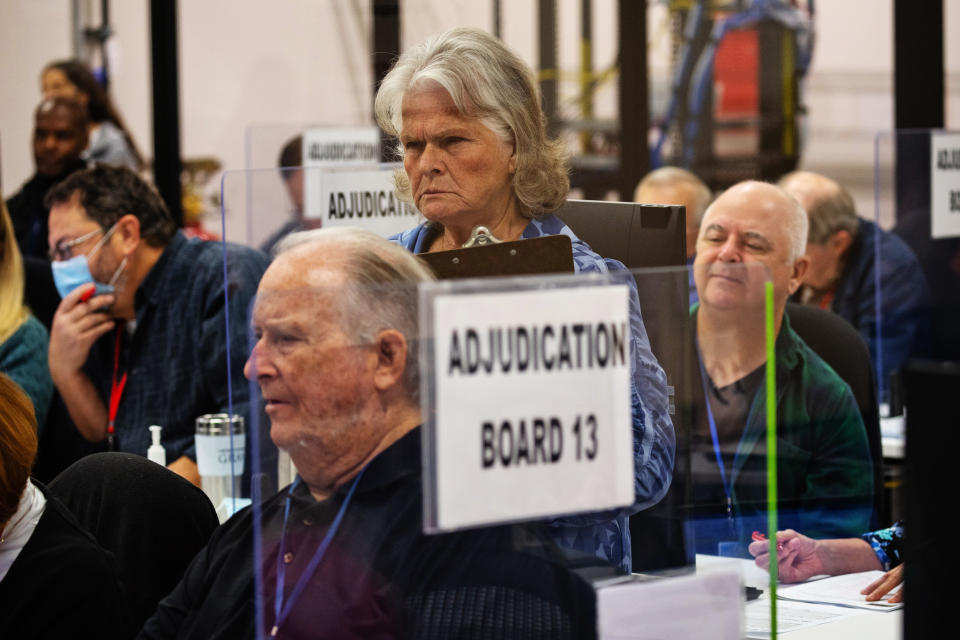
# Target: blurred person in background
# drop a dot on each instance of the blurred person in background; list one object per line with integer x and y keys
{"x": 673, "y": 185}
{"x": 23, "y": 339}
{"x": 109, "y": 139}
{"x": 55, "y": 580}
{"x": 141, "y": 329}
{"x": 59, "y": 138}
{"x": 291, "y": 172}
{"x": 846, "y": 252}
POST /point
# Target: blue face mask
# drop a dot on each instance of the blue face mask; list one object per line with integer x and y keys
{"x": 75, "y": 272}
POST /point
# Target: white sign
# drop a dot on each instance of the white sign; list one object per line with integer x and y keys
{"x": 707, "y": 607}
{"x": 334, "y": 147}
{"x": 532, "y": 415}
{"x": 329, "y": 147}
{"x": 361, "y": 198}
{"x": 945, "y": 185}
{"x": 214, "y": 455}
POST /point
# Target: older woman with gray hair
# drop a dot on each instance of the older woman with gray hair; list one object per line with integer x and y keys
{"x": 466, "y": 112}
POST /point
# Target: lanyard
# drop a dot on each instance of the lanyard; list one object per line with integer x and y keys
{"x": 727, "y": 487}
{"x": 116, "y": 389}
{"x": 280, "y": 610}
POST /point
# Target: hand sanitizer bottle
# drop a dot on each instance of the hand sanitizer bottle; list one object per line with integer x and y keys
{"x": 156, "y": 452}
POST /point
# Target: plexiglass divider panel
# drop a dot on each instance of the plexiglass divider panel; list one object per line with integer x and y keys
{"x": 917, "y": 244}
{"x": 261, "y": 206}
{"x": 310, "y": 382}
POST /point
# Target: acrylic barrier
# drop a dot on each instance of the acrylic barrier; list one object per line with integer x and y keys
{"x": 261, "y": 206}
{"x": 296, "y": 144}
{"x": 916, "y": 249}
{"x": 471, "y": 449}
{"x": 457, "y": 451}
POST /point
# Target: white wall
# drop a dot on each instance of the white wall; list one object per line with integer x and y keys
{"x": 31, "y": 34}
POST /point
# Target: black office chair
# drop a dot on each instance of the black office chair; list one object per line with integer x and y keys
{"x": 638, "y": 235}
{"x": 843, "y": 348}
{"x": 152, "y": 520}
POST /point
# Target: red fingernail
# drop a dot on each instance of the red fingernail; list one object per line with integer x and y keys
{"x": 88, "y": 294}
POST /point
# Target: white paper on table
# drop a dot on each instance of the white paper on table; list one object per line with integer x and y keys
{"x": 841, "y": 590}
{"x": 700, "y": 607}
{"x": 791, "y": 616}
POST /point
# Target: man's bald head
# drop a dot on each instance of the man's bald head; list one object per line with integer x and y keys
{"x": 830, "y": 207}
{"x": 673, "y": 185}
{"x": 751, "y": 222}
{"x": 777, "y": 204}
{"x": 59, "y": 135}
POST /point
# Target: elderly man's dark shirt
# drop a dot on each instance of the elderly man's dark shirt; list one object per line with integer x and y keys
{"x": 176, "y": 358}
{"x": 381, "y": 576}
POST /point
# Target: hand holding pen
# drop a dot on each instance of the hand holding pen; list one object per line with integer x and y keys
{"x": 759, "y": 537}
{"x": 797, "y": 557}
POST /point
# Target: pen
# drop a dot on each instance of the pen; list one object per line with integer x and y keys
{"x": 759, "y": 537}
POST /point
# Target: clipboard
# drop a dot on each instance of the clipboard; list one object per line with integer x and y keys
{"x": 548, "y": 254}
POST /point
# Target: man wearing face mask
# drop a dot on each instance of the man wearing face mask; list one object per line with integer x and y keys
{"x": 59, "y": 137}
{"x": 140, "y": 336}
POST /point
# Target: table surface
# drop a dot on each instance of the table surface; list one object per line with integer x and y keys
{"x": 870, "y": 625}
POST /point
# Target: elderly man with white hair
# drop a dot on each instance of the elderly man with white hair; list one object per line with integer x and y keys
{"x": 341, "y": 552}
{"x": 751, "y": 232}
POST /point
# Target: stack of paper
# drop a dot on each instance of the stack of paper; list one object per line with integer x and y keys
{"x": 840, "y": 590}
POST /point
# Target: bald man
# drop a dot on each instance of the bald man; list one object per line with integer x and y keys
{"x": 824, "y": 466}
{"x": 845, "y": 253}
{"x": 59, "y": 137}
{"x": 673, "y": 185}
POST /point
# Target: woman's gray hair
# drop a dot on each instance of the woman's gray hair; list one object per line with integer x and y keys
{"x": 488, "y": 81}
{"x": 380, "y": 291}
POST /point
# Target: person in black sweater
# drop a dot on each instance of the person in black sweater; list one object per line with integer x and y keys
{"x": 55, "y": 580}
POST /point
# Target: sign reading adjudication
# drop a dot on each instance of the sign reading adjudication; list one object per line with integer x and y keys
{"x": 532, "y": 392}
{"x": 363, "y": 198}
{"x": 334, "y": 147}
{"x": 945, "y": 185}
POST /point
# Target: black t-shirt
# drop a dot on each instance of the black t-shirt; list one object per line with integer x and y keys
{"x": 729, "y": 406}
{"x": 63, "y": 584}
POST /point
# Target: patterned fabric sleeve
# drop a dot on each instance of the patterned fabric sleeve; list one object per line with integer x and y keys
{"x": 887, "y": 544}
